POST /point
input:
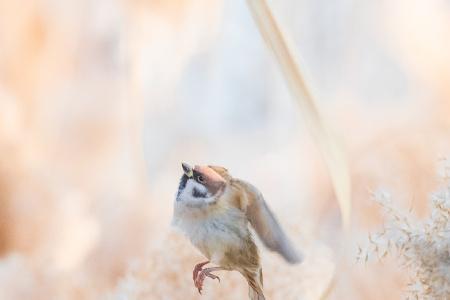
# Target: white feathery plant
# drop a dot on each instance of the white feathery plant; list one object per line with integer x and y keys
{"x": 422, "y": 246}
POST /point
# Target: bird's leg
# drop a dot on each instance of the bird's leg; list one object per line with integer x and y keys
{"x": 197, "y": 269}
{"x": 206, "y": 273}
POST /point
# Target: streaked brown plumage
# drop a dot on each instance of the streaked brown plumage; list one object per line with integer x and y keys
{"x": 214, "y": 209}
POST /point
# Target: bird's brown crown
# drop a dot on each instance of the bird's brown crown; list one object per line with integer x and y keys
{"x": 210, "y": 178}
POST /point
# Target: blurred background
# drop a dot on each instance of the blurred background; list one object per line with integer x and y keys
{"x": 101, "y": 100}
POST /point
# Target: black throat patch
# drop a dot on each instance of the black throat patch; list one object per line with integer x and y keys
{"x": 182, "y": 185}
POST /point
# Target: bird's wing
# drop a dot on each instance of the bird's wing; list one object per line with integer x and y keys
{"x": 264, "y": 222}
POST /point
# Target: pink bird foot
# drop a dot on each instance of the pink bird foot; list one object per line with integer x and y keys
{"x": 197, "y": 269}
{"x": 202, "y": 275}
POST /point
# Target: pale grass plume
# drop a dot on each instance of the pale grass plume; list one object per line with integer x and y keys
{"x": 164, "y": 272}
{"x": 422, "y": 246}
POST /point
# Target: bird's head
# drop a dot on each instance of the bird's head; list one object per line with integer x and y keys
{"x": 201, "y": 185}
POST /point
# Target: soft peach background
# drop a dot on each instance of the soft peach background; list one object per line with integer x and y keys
{"x": 101, "y": 100}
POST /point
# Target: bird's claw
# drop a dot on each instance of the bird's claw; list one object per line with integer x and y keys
{"x": 201, "y": 278}
{"x": 197, "y": 269}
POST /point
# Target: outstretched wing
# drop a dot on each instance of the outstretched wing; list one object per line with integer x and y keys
{"x": 265, "y": 224}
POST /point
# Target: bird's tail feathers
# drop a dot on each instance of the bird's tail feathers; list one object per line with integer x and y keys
{"x": 255, "y": 285}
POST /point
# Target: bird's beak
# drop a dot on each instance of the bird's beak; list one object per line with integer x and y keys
{"x": 187, "y": 170}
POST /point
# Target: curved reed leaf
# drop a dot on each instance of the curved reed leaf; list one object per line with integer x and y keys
{"x": 326, "y": 141}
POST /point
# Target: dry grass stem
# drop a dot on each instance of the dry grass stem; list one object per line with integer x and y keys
{"x": 326, "y": 140}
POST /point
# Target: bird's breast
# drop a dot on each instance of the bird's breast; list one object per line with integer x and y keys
{"x": 215, "y": 235}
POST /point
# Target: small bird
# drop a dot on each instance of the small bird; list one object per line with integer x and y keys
{"x": 214, "y": 211}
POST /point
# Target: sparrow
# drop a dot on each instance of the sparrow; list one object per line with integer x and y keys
{"x": 215, "y": 211}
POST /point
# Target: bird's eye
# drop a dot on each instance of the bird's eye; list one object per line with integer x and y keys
{"x": 200, "y": 179}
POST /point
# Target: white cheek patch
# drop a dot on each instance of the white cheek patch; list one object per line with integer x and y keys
{"x": 209, "y": 199}
{"x": 194, "y": 184}
{"x": 186, "y": 195}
